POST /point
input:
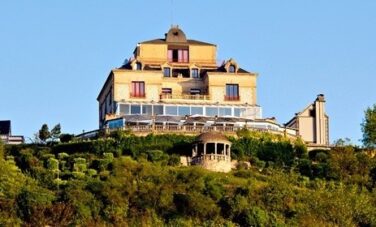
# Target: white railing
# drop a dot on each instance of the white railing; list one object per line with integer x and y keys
{"x": 210, "y": 157}
{"x": 185, "y": 96}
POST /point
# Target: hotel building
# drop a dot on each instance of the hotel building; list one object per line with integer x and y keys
{"x": 177, "y": 81}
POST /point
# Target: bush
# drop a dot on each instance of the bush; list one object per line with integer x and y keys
{"x": 92, "y": 172}
{"x": 79, "y": 165}
{"x": 63, "y": 155}
{"x": 65, "y": 138}
{"x": 108, "y": 156}
{"x": 305, "y": 167}
{"x": 78, "y": 175}
{"x": 52, "y": 164}
{"x": 174, "y": 160}
{"x": 156, "y": 156}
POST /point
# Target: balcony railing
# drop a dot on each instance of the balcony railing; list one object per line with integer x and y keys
{"x": 232, "y": 98}
{"x": 142, "y": 95}
{"x": 185, "y": 96}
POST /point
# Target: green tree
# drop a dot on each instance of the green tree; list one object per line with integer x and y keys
{"x": 44, "y": 133}
{"x": 55, "y": 132}
{"x": 369, "y": 127}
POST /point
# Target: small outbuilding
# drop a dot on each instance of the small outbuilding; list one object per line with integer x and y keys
{"x": 212, "y": 150}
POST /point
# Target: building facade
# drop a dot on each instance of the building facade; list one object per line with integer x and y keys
{"x": 176, "y": 76}
{"x": 174, "y": 84}
{"x": 312, "y": 123}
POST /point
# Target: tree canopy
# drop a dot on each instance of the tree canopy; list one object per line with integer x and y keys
{"x": 369, "y": 127}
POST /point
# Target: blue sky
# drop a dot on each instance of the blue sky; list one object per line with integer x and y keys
{"x": 56, "y": 55}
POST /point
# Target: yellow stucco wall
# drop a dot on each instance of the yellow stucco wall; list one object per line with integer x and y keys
{"x": 153, "y": 53}
{"x": 202, "y": 54}
{"x": 247, "y": 86}
{"x": 214, "y": 85}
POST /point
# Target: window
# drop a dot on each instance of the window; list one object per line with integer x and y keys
{"x": 166, "y": 72}
{"x": 195, "y": 91}
{"x": 180, "y": 73}
{"x": 184, "y": 110}
{"x": 212, "y": 111}
{"x": 135, "y": 109}
{"x": 171, "y": 110}
{"x": 138, "y": 66}
{"x": 166, "y": 93}
{"x": 239, "y": 112}
{"x": 224, "y": 112}
{"x": 178, "y": 55}
{"x": 124, "y": 109}
{"x": 166, "y": 90}
{"x": 158, "y": 109}
{"x": 232, "y": 92}
{"x": 197, "y": 110}
{"x": 138, "y": 89}
{"x": 147, "y": 109}
{"x": 231, "y": 69}
{"x": 194, "y": 73}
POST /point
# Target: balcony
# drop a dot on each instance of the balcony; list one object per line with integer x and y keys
{"x": 137, "y": 96}
{"x": 185, "y": 97}
{"x": 232, "y": 98}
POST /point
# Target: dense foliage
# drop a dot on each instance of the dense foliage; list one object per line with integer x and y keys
{"x": 126, "y": 180}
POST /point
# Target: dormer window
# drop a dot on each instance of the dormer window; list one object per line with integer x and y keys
{"x": 180, "y": 55}
{"x": 166, "y": 72}
{"x": 231, "y": 69}
{"x": 194, "y": 73}
{"x": 138, "y": 66}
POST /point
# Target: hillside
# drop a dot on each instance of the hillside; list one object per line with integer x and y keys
{"x": 125, "y": 180}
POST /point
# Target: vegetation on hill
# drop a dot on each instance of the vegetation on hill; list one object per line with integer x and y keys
{"x": 126, "y": 180}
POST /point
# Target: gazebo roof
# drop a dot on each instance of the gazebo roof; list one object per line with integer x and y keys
{"x": 212, "y": 137}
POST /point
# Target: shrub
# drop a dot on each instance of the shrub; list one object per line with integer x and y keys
{"x": 174, "y": 160}
{"x": 79, "y": 165}
{"x": 62, "y": 155}
{"x": 53, "y": 164}
{"x": 108, "y": 156}
{"x": 92, "y": 172}
{"x": 65, "y": 138}
{"x": 78, "y": 175}
{"x": 156, "y": 155}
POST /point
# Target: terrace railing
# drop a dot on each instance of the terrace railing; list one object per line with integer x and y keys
{"x": 185, "y": 96}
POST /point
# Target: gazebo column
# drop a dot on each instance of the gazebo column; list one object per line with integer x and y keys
{"x": 215, "y": 151}
{"x": 194, "y": 151}
{"x": 204, "y": 148}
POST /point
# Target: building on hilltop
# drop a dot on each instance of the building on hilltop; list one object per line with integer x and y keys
{"x": 174, "y": 84}
{"x": 176, "y": 76}
{"x": 6, "y": 134}
{"x": 312, "y": 124}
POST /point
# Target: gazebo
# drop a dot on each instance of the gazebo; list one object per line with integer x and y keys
{"x": 212, "y": 150}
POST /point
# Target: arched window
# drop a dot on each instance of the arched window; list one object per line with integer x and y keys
{"x": 138, "y": 66}
{"x": 231, "y": 69}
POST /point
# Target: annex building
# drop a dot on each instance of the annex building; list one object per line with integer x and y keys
{"x": 174, "y": 84}
{"x": 6, "y": 133}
